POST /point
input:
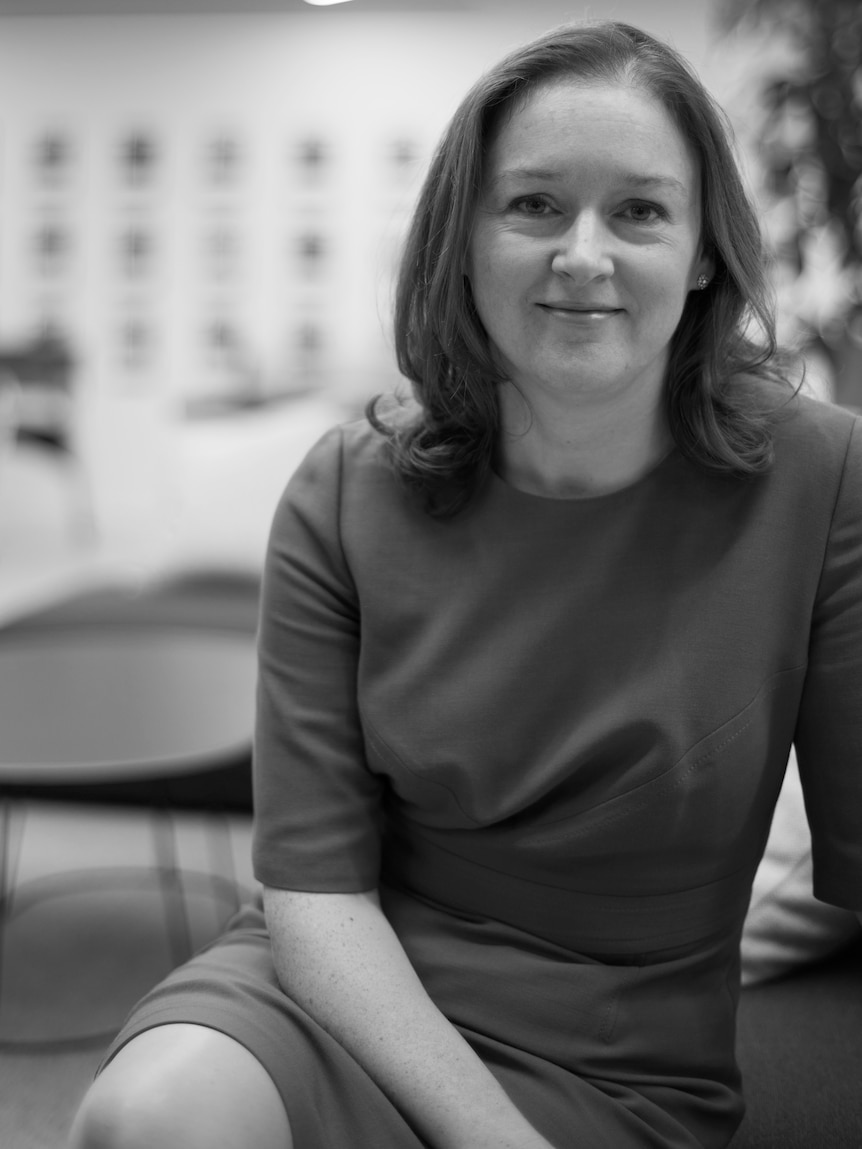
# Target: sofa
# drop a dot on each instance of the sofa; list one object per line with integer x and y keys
{"x": 799, "y": 1037}
{"x": 799, "y": 1045}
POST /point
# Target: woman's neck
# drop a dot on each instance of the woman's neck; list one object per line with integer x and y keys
{"x": 566, "y": 450}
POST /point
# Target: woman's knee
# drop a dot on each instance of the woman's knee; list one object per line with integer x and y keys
{"x": 182, "y": 1085}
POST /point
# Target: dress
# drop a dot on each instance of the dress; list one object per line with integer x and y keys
{"x": 553, "y": 731}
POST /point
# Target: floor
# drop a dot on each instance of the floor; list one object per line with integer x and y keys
{"x": 89, "y": 929}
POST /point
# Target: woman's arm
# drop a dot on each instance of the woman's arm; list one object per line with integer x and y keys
{"x": 339, "y": 958}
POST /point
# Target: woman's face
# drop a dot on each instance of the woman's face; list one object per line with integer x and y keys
{"x": 586, "y": 240}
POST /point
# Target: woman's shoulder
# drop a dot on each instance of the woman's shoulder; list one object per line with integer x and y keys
{"x": 343, "y": 482}
{"x": 346, "y": 472}
{"x": 816, "y": 433}
{"x": 361, "y": 448}
{"x": 817, "y": 469}
{"x": 344, "y": 447}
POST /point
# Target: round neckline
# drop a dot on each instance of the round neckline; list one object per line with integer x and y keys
{"x": 583, "y": 500}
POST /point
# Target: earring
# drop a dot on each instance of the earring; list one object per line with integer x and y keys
{"x": 702, "y": 281}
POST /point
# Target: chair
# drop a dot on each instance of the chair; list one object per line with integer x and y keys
{"x": 189, "y": 626}
{"x": 37, "y": 377}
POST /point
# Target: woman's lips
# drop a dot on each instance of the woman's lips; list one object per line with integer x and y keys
{"x": 576, "y": 311}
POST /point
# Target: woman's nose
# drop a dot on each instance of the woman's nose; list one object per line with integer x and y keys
{"x": 583, "y": 251}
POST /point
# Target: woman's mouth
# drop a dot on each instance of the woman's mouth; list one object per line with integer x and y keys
{"x": 580, "y": 311}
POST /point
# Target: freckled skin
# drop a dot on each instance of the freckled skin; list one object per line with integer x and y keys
{"x": 591, "y": 202}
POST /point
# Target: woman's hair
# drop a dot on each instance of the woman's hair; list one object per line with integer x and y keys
{"x": 722, "y": 351}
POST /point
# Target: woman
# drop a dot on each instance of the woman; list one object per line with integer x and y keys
{"x": 532, "y": 657}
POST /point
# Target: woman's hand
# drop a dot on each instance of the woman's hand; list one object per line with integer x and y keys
{"x": 339, "y": 958}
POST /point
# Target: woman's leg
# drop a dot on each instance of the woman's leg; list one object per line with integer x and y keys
{"x": 182, "y": 1086}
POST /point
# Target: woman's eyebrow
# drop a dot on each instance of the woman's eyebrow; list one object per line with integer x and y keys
{"x": 631, "y": 179}
{"x": 527, "y": 173}
{"x": 662, "y": 181}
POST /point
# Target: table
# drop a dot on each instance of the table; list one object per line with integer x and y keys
{"x": 90, "y": 711}
{"x": 82, "y": 707}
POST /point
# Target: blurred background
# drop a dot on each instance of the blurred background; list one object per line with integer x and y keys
{"x": 201, "y": 204}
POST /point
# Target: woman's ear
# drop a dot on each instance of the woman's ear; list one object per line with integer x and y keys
{"x": 702, "y": 273}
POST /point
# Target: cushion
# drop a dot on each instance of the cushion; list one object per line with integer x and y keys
{"x": 786, "y": 926}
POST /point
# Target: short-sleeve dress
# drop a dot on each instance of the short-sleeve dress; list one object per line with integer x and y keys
{"x": 552, "y": 732}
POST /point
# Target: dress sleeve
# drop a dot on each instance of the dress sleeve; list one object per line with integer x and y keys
{"x": 829, "y": 730}
{"x": 316, "y": 803}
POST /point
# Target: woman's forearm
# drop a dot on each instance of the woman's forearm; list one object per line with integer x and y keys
{"x": 339, "y": 958}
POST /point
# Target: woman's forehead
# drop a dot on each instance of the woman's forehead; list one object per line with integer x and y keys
{"x": 569, "y": 121}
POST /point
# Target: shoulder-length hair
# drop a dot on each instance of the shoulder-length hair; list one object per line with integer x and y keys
{"x": 722, "y": 352}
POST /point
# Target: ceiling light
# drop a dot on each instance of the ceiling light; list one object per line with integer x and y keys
{"x": 326, "y": 3}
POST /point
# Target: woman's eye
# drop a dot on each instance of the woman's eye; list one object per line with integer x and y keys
{"x": 645, "y": 212}
{"x": 532, "y": 205}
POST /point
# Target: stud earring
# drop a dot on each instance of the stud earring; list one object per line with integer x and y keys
{"x": 702, "y": 281}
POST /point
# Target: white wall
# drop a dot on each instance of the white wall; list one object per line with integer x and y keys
{"x": 358, "y": 80}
